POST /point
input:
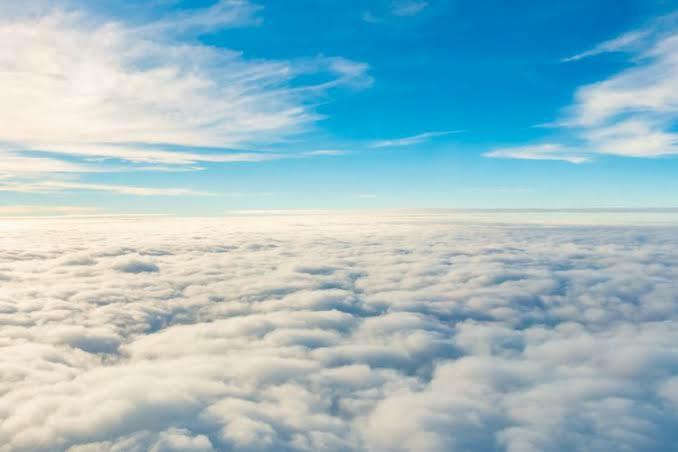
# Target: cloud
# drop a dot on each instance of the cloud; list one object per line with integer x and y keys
{"x": 98, "y": 77}
{"x": 550, "y": 151}
{"x": 325, "y": 152}
{"x": 632, "y": 113}
{"x": 221, "y": 14}
{"x": 52, "y": 186}
{"x": 19, "y": 210}
{"x": 619, "y": 44}
{"x": 397, "y": 8}
{"x": 151, "y": 154}
{"x": 393, "y": 332}
{"x": 15, "y": 164}
{"x": 412, "y": 140}
{"x": 83, "y": 85}
{"x": 407, "y": 7}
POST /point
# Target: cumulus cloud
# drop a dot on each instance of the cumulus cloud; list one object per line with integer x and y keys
{"x": 407, "y": 332}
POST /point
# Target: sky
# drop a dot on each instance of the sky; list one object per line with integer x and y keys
{"x": 203, "y": 107}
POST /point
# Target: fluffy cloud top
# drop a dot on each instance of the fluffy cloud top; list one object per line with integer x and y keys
{"x": 401, "y": 333}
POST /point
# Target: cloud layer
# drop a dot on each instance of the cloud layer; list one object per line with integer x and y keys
{"x": 400, "y": 333}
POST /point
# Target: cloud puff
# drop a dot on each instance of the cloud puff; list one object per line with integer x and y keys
{"x": 318, "y": 332}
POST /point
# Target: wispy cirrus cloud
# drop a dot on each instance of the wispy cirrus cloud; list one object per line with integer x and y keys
{"x": 407, "y": 7}
{"x": 632, "y": 113}
{"x": 12, "y": 164}
{"x": 620, "y": 44}
{"x": 73, "y": 83}
{"x": 395, "y": 8}
{"x": 53, "y": 186}
{"x": 84, "y": 86}
{"x": 222, "y": 14}
{"x": 546, "y": 151}
{"x": 413, "y": 139}
{"x": 30, "y": 210}
{"x": 326, "y": 152}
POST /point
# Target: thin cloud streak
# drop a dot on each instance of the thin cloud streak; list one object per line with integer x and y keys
{"x": 548, "y": 151}
{"x": 53, "y": 186}
{"x": 29, "y": 210}
{"x": 407, "y": 7}
{"x": 619, "y": 44}
{"x": 412, "y": 140}
{"x": 12, "y": 164}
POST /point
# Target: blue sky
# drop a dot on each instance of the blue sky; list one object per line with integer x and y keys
{"x": 200, "y": 107}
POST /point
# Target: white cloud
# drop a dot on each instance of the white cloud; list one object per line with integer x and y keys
{"x": 397, "y": 8}
{"x": 412, "y": 140}
{"x": 632, "y": 113}
{"x": 20, "y": 210}
{"x": 549, "y": 151}
{"x": 76, "y": 83}
{"x": 85, "y": 84}
{"x": 619, "y": 44}
{"x": 221, "y": 14}
{"x": 407, "y": 7}
{"x": 51, "y": 186}
{"x": 145, "y": 154}
{"x": 389, "y": 332}
{"x": 326, "y": 152}
{"x": 369, "y": 17}
{"x": 14, "y": 164}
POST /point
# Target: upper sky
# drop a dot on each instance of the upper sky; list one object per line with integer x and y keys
{"x": 200, "y": 107}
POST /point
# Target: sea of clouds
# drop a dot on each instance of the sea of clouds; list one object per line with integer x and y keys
{"x": 337, "y": 333}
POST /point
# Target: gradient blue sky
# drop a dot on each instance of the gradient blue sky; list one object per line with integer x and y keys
{"x": 200, "y": 107}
